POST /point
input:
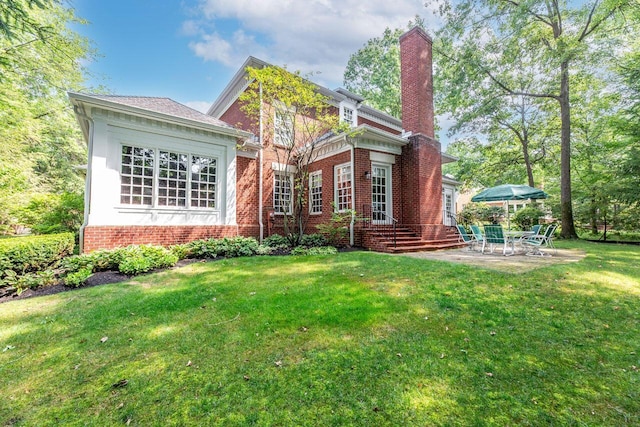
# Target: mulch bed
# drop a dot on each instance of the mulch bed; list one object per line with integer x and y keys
{"x": 96, "y": 279}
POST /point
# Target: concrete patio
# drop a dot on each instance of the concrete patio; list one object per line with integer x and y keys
{"x": 518, "y": 263}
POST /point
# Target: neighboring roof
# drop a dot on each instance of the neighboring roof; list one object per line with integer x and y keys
{"x": 165, "y": 109}
{"x": 239, "y": 83}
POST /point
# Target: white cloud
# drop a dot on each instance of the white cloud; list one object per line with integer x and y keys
{"x": 310, "y": 36}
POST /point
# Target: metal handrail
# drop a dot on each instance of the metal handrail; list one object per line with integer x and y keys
{"x": 452, "y": 217}
{"x": 368, "y": 211}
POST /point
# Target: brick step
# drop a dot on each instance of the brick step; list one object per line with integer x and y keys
{"x": 414, "y": 241}
{"x": 408, "y": 241}
{"x": 426, "y": 246}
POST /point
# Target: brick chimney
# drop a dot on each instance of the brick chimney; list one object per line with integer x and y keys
{"x": 421, "y": 157}
{"x": 417, "y": 82}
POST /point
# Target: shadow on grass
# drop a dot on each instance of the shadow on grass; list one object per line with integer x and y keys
{"x": 358, "y": 339}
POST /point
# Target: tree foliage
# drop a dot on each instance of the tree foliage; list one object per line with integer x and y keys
{"x": 40, "y": 60}
{"x": 304, "y": 116}
{"x": 484, "y": 41}
{"x": 374, "y": 70}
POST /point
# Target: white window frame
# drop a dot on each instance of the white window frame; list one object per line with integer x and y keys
{"x": 283, "y": 125}
{"x": 342, "y": 195}
{"x": 155, "y": 179}
{"x": 277, "y": 176}
{"x": 315, "y": 189}
{"x": 348, "y": 109}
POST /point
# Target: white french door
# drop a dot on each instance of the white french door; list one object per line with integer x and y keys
{"x": 381, "y": 194}
{"x": 447, "y": 203}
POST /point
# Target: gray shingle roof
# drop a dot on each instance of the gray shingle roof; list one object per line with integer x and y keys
{"x": 163, "y": 106}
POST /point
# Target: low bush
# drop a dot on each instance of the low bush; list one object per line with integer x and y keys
{"x": 527, "y": 217}
{"x": 265, "y": 250}
{"x": 182, "y": 251}
{"x": 276, "y": 241}
{"x": 313, "y": 240}
{"x": 33, "y": 253}
{"x": 15, "y": 283}
{"x": 144, "y": 258}
{"x": 337, "y": 229}
{"x": 229, "y": 247}
{"x": 78, "y": 278}
{"x": 318, "y": 250}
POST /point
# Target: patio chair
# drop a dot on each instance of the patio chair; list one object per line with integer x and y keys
{"x": 477, "y": 234}
{"x": 493, "y": 235}
{"x": 536, "y": 229}
{"x": 466, "y": 238}
{"x": 535, "y": 243}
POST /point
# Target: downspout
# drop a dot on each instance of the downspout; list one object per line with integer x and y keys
{"x": 260, "y": 173}
{"x": 353, "y": 197}
{"x": 87, "y": 181}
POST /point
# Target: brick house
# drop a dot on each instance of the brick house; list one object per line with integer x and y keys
{"x": 162, "y": 173}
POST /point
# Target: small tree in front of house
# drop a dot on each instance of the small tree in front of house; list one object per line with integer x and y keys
{"x": 294, "y": 117}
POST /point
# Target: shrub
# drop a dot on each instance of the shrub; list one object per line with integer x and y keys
{"x": 144, "y": 258}
{"x": 321, "y": 250}
{"x": 336, "y": 230}
{"x": 527, "y": 217}
{"x": 181, "y": 251}
{"x": 227, "y": 247}
{"x": 313, "y": 240}
{"x": 276, "y": 241}
{"x": 32, "y": 253}
{"x": 265, "y": 250}
{"x": 78, "y": 278}
{"x": 474, "y": 213}
{"x": 18, "y": 283}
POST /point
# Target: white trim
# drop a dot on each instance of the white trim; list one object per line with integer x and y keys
{"x": 335, "y": 184}
{"x": 311, "y": 175}
{"x": 281, "y": 167}
{"x": 388, "y": 189}
{"x": 291, "y": 193}
{"x": 378, "y": 157}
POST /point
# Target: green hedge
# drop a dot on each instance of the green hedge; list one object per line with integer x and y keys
{"x": 33, "y": 253}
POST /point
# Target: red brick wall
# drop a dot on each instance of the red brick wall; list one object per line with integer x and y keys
{"x": 416, "y": 82}
{"x": 422, "y": 186}
{"x": 108, "y": 237}
{"x": 247, "y": 181}
{"x": 236, "y": 117}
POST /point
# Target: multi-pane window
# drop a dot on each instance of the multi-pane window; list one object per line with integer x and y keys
{"x": 347, "y": 115}
{"x": 203, "y": 182}
{"x": 172, "y": 179}
{"x": 161, "y": 178}
{"x": 282, "y": 192}
{"x": 283, "y": 127}
{"x": 343, "y": 187}
{"x": 315, "y": 192}
{"x": 136, "y": 183}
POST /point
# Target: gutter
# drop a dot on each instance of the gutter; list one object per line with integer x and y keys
{"x": 353, "y": 197}
{"x": 87, "y": 181}
{"x": 260, "y": 173}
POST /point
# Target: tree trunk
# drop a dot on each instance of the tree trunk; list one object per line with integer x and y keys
{"x": 568, "y": 228}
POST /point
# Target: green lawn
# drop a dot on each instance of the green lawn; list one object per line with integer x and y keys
{"x": 352, "y": 339}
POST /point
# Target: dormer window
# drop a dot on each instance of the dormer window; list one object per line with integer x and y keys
{"x": 348, "y": 114}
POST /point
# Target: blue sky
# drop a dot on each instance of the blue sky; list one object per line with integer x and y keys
{"x": 189, "y": 49}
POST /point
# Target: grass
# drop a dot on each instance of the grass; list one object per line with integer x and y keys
{"x": 352, "y": 339}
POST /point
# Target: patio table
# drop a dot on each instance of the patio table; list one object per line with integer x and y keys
{"x": 517, "y": 236}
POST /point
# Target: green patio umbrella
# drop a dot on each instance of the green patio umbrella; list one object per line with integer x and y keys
{"x": 508, "y": 192}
